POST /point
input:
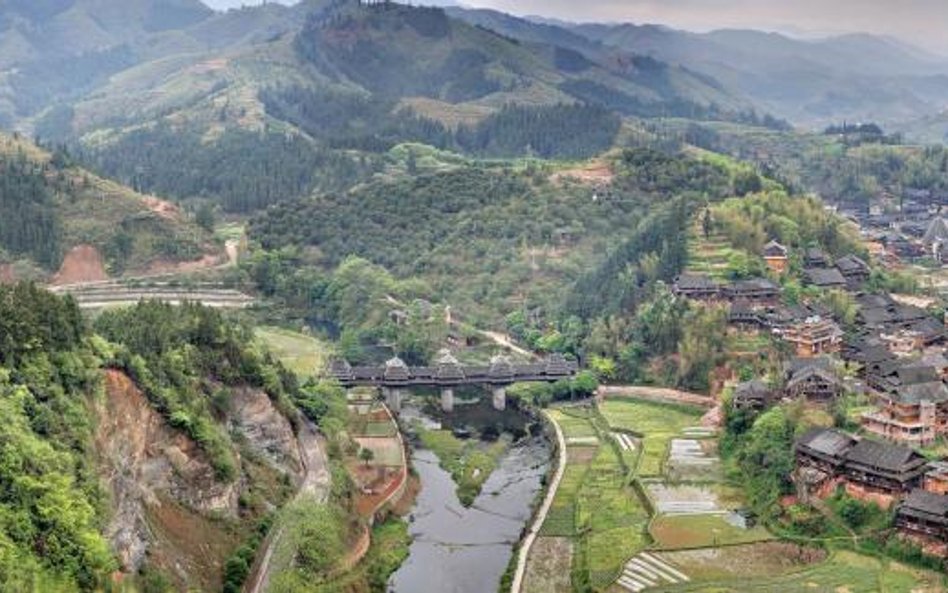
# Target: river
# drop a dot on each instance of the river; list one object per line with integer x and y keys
{"x": 459, "y": 550}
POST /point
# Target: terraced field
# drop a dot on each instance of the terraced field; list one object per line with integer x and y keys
{"x": 708, "y": 255}
{"x": 101, "y": 295}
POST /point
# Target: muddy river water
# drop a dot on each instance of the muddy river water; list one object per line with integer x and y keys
{"x": 467, "y": 550}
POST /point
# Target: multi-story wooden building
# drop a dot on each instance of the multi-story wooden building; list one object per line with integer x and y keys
{"x": 914, "y": 414}
{"x": 696, "y": 286}
{"x": 814, "y": 336}
{"x": 867, "y": 468}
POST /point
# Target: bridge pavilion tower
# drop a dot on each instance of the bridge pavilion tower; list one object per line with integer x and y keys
{"x": 449, "y": 373}
{"x": 501, "y": 375}
{"x": 396, "y": 376}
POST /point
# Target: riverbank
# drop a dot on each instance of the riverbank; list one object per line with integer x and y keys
{"x": 526, "y": 544}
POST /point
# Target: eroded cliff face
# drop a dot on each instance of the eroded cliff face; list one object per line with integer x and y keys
{"x": 266, "y": 430}
{"x": 167, "y": 505}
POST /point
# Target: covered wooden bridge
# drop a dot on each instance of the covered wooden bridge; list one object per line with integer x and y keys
{"x": 447, "y": 374}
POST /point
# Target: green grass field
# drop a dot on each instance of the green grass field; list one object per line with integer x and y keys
{"x": 611, "y": 516}
{"x": 658, "y": 423}
{"x": 302, "y": 354}
{"x": 673, "y": 532}
{"x": 843, "y": 572}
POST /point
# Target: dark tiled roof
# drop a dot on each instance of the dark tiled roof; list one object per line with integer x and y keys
{"x": 815, "y": 255}
{"x": 396, "y": 370}
{"x": 796, "y": 365}
{"x": 875, "y": 316}
{"x": 870, "y": 301}
{"x": 824, "y": 277}
{"x": 826, "y": 441}
{"x": 929, "y": 329}
{"x": 556, "y": 365}
{"x": 906, "y": 313}
{"x": 753, "y": 391}
{"x": 774, "y": 249}
{"x": 695, "y": 282}
{"x": 934, "y": 392}
{"x": 340, "y": 369}
{"x": 915, "y": 374}
{"x": 925, "y": 503}
{"x": 937, "y": 231}
{"x": 812, "y": 372}
{"x": 501, "y": 367}
{"x": 851, "y": 264}
{"x": 752, "y": 285}
{"x": 885, "y": 456}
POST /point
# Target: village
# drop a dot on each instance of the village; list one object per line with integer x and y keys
{"x": 889, "y": 355}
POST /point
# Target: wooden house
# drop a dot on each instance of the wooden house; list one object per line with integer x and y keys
{"x": 924, "y": 513}
{"x": 776, "y": 256}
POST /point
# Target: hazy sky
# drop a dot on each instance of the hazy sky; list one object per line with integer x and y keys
{"x": 922, "y": 22}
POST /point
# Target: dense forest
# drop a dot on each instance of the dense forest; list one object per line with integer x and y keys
{"x": 241, "y": 171}
{"x": 30, "y": 225}
{"x": 50, "y": 503}
{"x": 347, "y": 119}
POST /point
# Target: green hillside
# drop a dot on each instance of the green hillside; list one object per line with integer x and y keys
{"x": 487, "y": 240}
{"x": 51, "y": 206}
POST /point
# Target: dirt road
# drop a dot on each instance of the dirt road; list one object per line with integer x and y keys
{"x": 316, "y": 484}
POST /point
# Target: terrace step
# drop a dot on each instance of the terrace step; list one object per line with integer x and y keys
{"x": 646, "y": 571}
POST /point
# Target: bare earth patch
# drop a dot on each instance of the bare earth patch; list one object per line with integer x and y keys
{"x": 7, "y": 274}
{"x": 162, "y": 208}
{"x": 82, "y": 264}
{"x": 593, "y": 173}
{"x": 548, "y": 569}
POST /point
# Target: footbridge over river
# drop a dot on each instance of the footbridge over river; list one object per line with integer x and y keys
{"x": 447, "y": 374}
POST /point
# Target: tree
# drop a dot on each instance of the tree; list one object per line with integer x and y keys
{"x": 205, "y": 217}
{"x": 766, "y": 459}
{"x": 366, "y": 455}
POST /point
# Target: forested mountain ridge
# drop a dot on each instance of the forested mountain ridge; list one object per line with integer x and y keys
{"x": 314, "y": 110}
{"x": 50, "y": 206}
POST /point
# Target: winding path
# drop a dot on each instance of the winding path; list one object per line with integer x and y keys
{"x": 316, "y": 484}
{"x": 524, "y": 553}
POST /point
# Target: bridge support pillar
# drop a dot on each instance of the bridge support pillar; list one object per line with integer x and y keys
{"x": 393, "y": 398}
{"x": 447, "y": 399}
{"x": 499, "y": 393}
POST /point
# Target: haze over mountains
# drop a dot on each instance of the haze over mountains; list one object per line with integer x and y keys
{"x": 57, "y": 54}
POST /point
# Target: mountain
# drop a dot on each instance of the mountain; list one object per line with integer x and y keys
{"x": 316, "y": 99}
{"x": 853, "y": 77}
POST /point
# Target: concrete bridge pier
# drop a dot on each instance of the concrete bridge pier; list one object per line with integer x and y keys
{"x": 447, "y": 399}
{"x": 393, "y": 398}
{"x": 499, "y": 393}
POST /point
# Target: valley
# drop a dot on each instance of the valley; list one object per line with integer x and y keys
{"x": 362, "y": 297}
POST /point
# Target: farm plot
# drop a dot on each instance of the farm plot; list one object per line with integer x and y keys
{"x": 595, "y": 508}
{"x": 302, "y": 354}
{"x": 843, "y": 571}
{"x": 658, "y": 423}
{"x": 699, "y": 531}
{"x": 693, "y": 460}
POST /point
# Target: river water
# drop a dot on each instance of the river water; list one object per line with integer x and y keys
{"x": 459, "y": 550}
